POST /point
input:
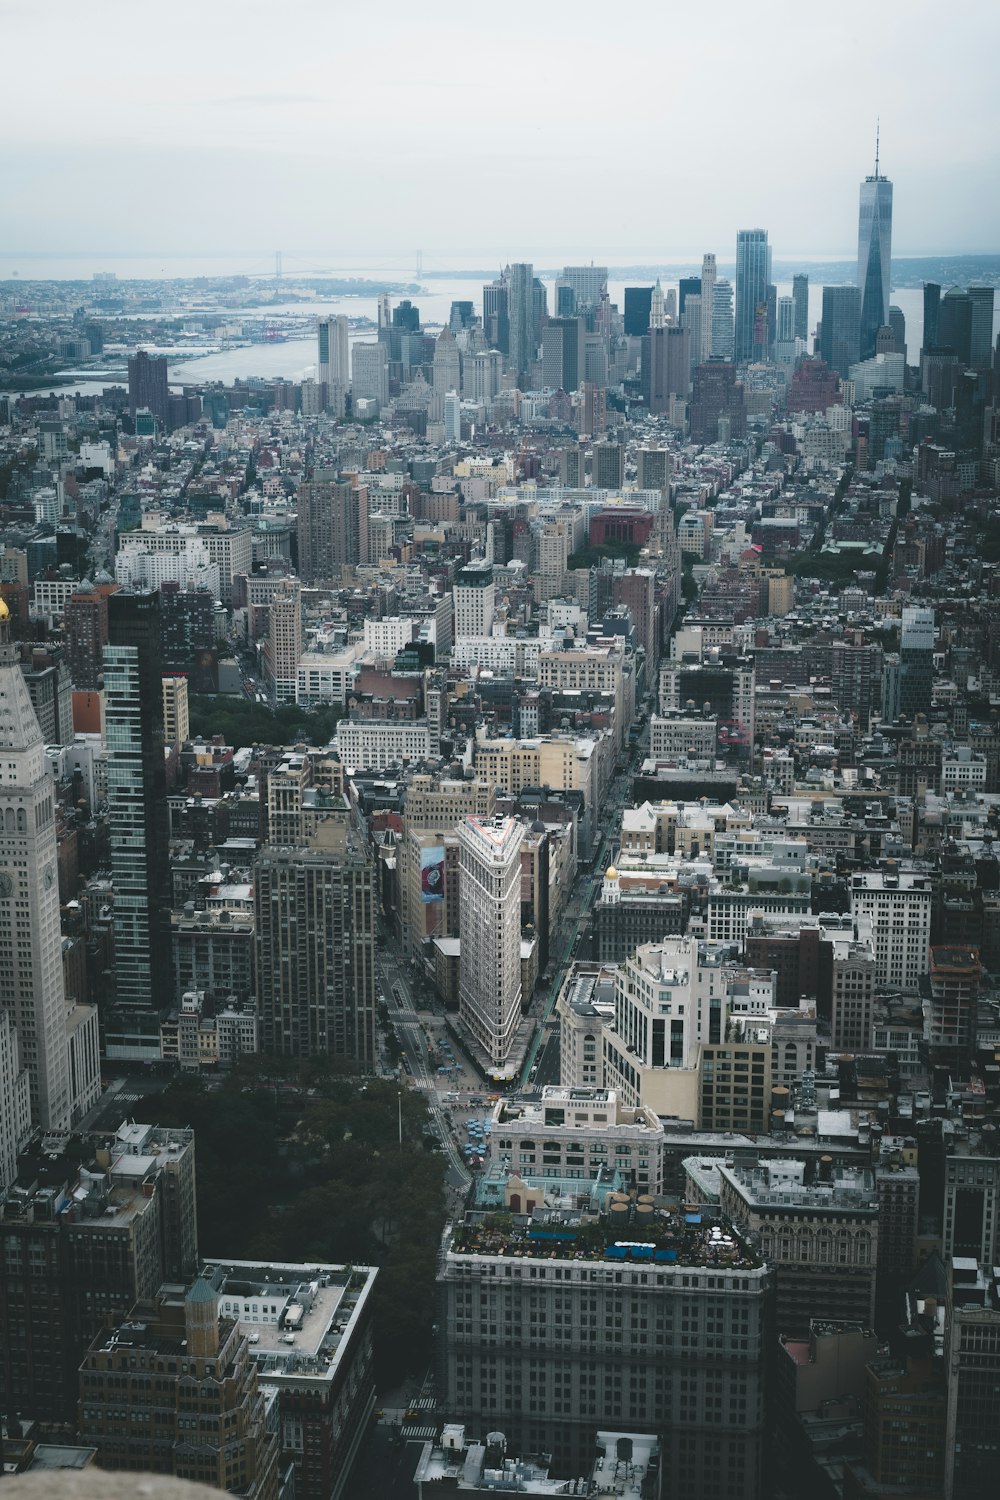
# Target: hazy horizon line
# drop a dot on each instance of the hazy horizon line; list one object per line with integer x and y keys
{"x": 604, "y": 257}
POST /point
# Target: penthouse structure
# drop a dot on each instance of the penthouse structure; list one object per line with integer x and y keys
{"x": 568, "y": 1322}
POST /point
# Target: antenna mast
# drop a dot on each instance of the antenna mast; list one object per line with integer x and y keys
{"x": 877, "y": 132}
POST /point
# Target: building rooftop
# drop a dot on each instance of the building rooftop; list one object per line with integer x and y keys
{"x": 297, "y": 1318}
{"x": 783, "y": 1184}
{"x": 589, "y": 989}
{"x": 562, "y": 1107}
{"x": 105, "y": 1187}
{"x": 626, "y": 1466}
{"x": 472, "y": 1467}
{"x": 636, "y": 1231}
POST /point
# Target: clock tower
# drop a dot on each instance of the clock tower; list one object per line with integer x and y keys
{"x": 58, "y": 1042}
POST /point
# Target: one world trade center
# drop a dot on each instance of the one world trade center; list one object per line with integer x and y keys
{"x": 874, "y": 255}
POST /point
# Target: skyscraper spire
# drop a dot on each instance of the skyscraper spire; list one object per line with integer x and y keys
{"x": 878, "y": 124}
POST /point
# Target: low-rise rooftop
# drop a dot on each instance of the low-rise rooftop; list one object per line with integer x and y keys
{"x": 297, "y": 1318}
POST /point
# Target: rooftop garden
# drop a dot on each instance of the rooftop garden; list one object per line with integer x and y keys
{"x": 660, "y": 1237}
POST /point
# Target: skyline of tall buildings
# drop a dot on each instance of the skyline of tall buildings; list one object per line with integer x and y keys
{"x": 636, "y": 708}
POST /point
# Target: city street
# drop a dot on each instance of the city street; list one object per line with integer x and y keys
{"x": 459, "y": 1095}
{"x": 572, "y": 941}
{"x": 410, "y": 1032}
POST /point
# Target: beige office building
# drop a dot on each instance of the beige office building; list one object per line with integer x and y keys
{"x": 176, "y": 720}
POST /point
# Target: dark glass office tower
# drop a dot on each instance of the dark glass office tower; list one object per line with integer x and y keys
{"x": 955, "y": 323}
{"x": 981, "y": 332}
{"x": 137, "y": 817}
{"x": 406, "y": 317}
{"x": 638, "y": 301}
{"x": 496, "y": 316}
{"x": 932, "y": 308}
{"x": 688, "y": 286}
{"x": 840, "y": 331}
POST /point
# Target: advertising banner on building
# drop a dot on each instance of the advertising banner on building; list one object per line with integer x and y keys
{"x": 432, "y": 873}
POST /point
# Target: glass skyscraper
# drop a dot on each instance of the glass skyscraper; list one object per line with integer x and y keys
{"x": 932, "y": 309}
{"x": 800, "y": 296}
{"x": 520, "y": 279}
{"x": 137, "y": 822}
{"x": 753, "y": 273}
{"x": 839, "y": 335}
{"x": 874, "y": 256}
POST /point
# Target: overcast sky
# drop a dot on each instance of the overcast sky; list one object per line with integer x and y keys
{"x": 647, "y": 130}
